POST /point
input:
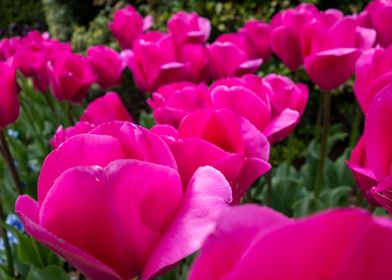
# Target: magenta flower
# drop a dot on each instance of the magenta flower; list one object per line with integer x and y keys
{"x": 232, "y": 55}
{"x": 8, "y": 47}
{"x": 250, "y": 96}
{"x": 127, "y": 24}
{"x": 222, "y": 139}
{"x": 118, "y": 210}
{"x": 189, "y": 28}
{"x": 372, "y": 73}
{"x": 286, "y": 31}
{"x": 70, "y": 77}
{"x": 103, "y": 109}
{"x": 107, "y": 65}
{"x": 9, "y": 94}
{"x": 171, "y": 103}
{"x": 154, "y": 61}
{"x": 330, "y": 47}
{"x": 253, "y": 242}
{"x": 258, "y": 33}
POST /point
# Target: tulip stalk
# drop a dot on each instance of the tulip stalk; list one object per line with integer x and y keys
{"x": 50, "y": 105}
{"x": 268, "y": 178}
{"x": 7, "y": 246}
{"x": 355, "y": 128}
{"x": 324, "y": 142}
{"x": 5, "y": 151}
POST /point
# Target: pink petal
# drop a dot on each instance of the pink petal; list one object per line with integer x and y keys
{"x": 281, "y": 126}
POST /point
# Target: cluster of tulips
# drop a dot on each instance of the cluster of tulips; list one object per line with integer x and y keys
{"x": 118, "y": 201}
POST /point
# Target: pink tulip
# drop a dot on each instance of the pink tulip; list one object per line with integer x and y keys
{"x": 378, "y": 14}
{"x": 70, "y": 77}
{"x": 371, "y": 160}
{"x": 195, "y": 58}
{"x": 9, "y": 94}
{"x": 253, "y": 242}
{"x": 154, "y": 61}
{"x": 189, "y": 28}
{"x": 249, "y": 97}
{"x": 232, "y": 55}
{"x": 258, "y": 33}
{"x": 373, "y": 72}
{"x": 286, "y": 31}
{"x": 8, "y": 47}
{"x": 107, "y": 65}
{"x": 330, "y": 48}
{"x": 171, "y": 103}
{"x": 103, "y": 109}
{"x": 127, "y": 24}
{"x": 222, "y": 139}
{"x": 118, "y": 210}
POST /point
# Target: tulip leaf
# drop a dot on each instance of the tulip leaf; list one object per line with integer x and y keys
{"x": 48, "y": 273}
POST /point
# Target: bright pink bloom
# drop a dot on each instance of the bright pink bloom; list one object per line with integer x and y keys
{"x": 258, "y": 33}
{"x": 154, "y": 61}
{"x": 70, "y": 77}
{"x": 249, "y": 97}
{"x": 127, "y": 24}
{"x": 118, "y": 209}
{"x": 378, "y": 15}
{"x": 286, "y": 31}
{"x": 103, "y": 109}
{"x": 107, "y": 65}
{"x": 9, "y": 94}
{"x": 222, "y": 139}
{"x": 189, "y": 28}
{"x": 232, "y": 55}
{"x": 331, "y": 48}
{"x": 171, "y": 103}
{"x": 372, "y": 73}
{"x": 196, "y": 59}
{"x": 254, "y": 242}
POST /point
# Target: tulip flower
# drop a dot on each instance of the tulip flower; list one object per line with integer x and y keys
{"x": 171, "y": 103}
{"x": 127, "y": 24}
{"x": 8, "y": 47}
{"x": 9, "y": 94}
{"x": 222, "y": 139}
{"x": 196, "y": 60}
{"x": 189, "y": 28}
{"x": 371, "y": 159}
{"x": 378, "y": 15}
{"x": 70, "y": 77}
{"x": 286, "y": 31}
{"x": 254, "y": 242}
{"x": 330, "y": 48}
{"x": 107, "y": 65}
{"x": 249, "y": 97}
{"x": 258, "y": 34}
{"x": 232, "y": 55}
{"x": 119, "y": 210}
{"x": 103, "y": 109}
{"x": 373, "y": 72}
{"x": 154, "y": 61}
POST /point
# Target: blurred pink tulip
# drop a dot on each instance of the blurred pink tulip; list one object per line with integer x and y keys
{"x": 372, "y": 73}
{"x": 286, "y": 31}
{"x": 103, "y": 109}
{"x": 258, "y": 33}
{"x": 189, "y": 28}
{"x": 154, "y": 61}
{"x": 8, "y": 47}
{"x": 378, "y": 15}
{"x": 331, "y": 48}
{"x": 127, "y": 24}
{"x": 223, "y": 140}
{"x": 9, "y": 94}
{"x": 119, "y": 210}
{"x": 171, "y": 103}
{"x": 70, "y": 77}
{"x": 253, "y": 242}
{"x": 232, "y": 55}
{"x": 249, "y": 97}
{"x": 107, "y": 65}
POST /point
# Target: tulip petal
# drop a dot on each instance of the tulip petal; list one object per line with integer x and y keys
{"x": 281, "y": 126}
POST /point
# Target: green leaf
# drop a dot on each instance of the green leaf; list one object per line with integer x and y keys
{"x": 48, "y": 273}
{"x": 146, "y": 119}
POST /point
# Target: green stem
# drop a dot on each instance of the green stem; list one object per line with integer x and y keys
{"x": 69, "y": 114}
{"x": 324, "y": 142}
{"x": 355, "y": 128}
{"x": 7, "y": 246}
{"x": 268, "y": 178}
{"x": 32, "y": 123}
{"x": 318, "y": 120}
{"x": 290, "y": 145}
{"x": 50, "y": 105}
{"x": 5, "y": 151}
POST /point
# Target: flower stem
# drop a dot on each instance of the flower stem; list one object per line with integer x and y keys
{"x": 7, "y": 246}
{"x": 355, "y": 128}
{"x": 69, "y": 114}
{"x": 5, "y": 151}
{"x": 268, "y": 178}
{"x": 50, "y": 105}
{"x": 324, "y": 141}
{"x": 290, "y": 147}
